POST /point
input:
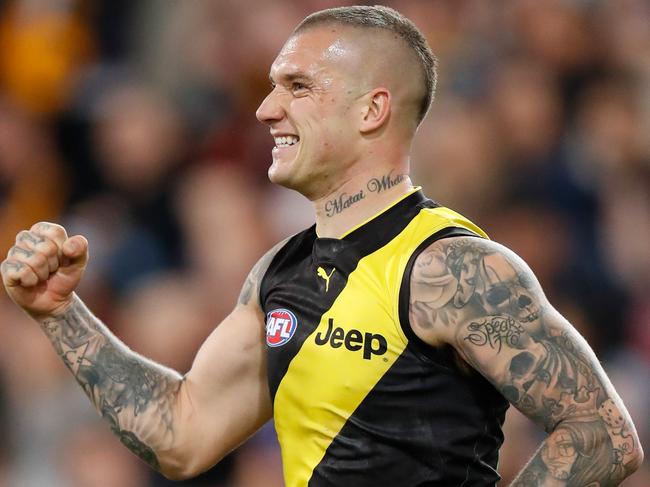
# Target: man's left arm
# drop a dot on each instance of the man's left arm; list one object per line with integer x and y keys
{"x": 484, "y": 300}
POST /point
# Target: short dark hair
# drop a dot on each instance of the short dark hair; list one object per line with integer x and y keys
{"x": 381, "y": 17}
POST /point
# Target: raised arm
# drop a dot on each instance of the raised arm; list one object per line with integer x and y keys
{"x": 179, "y": 425}
{"x": 484, "y": 300}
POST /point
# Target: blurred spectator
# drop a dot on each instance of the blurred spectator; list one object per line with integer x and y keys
{"x": 220, "y": 210}
{"x": 95, "y": 458}
{"x": 41, "y": 45}
{"x": 32, "y": 187}
{"x": 138, "y": 142}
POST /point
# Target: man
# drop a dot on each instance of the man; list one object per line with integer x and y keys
{"x": 386, "y": 340}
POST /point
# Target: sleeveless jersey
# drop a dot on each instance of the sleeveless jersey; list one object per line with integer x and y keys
{"x": 359, "y": 400}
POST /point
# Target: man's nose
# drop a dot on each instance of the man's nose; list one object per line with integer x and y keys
{"x": 270, "y": 110}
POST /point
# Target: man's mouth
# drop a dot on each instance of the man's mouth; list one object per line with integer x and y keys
{"x": 286, "y": 141}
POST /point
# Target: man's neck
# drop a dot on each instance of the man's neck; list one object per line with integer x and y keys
{"x": 357, "y": 200}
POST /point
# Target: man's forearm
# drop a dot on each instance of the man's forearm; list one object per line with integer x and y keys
{"x": 580, "y": 453}
{"x": 135, "y": 395}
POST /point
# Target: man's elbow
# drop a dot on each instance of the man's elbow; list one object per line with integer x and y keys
{"x": 181, "y": 469}
{"x": 186, "y": 462}
{"x": 177, "y": 474}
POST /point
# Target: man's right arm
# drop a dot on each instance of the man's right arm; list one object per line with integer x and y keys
{"x": 179, "y": 425}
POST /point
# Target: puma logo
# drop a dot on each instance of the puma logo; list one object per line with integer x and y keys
{"x": 321, "y": 273}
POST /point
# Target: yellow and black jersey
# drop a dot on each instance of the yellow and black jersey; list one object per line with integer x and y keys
{"x": 359, "y": 400}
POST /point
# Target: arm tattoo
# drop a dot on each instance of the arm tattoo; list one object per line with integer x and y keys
{"x": 252, "y": 284}
{"x": 491, "y": 308}
{"x": 133, "y": 394}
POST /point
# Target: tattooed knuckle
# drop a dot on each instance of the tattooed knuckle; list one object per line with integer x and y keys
{"x": 13, "y": 251}
{"x": 37, "y": 226}
{"x": 22, "y": 236}
{"x": 14, "y": 266}
{"x": 52, "y": 230}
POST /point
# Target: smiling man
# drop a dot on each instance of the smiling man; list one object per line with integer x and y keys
{"x": 386, "y": 341}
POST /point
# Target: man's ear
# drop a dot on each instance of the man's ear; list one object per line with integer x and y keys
{"x": 376, "y": 111}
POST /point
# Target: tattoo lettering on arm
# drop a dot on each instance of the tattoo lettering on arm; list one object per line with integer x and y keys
{"x": 485, "y": 301}
{"x": 133, "y": 394}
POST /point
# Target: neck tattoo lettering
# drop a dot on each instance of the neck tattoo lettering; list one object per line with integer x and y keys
{"x": 343, "y": 202}
{"x": 375, "y": 185}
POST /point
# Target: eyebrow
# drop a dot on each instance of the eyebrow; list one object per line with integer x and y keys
{"x": 288, "y": 78}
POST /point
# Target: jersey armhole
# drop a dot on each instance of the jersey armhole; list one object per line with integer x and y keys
{"x": 415, "y": 342}
{"x": 263, "y": 290}
{"x": 282, "y": 248}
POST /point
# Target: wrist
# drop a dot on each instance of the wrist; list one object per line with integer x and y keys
{"x": 59, "y": 311}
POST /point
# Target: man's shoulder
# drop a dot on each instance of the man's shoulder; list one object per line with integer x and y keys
{"x": 460, "y": 278}
{"x": 253, "y": 282}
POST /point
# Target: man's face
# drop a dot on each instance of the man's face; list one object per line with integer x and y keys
{"x": 311, "y": 111}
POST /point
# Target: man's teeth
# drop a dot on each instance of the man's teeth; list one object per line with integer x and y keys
{"x": 286, "y": 141}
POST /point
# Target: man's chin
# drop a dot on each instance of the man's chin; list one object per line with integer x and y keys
{"x": 278, "y": 174}
{"x": 284, "y": 177}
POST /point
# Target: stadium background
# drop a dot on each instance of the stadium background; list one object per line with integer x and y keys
{"x": 133, "y": 123}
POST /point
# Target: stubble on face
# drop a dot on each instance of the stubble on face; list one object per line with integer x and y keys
{"x": 317, "y": 109}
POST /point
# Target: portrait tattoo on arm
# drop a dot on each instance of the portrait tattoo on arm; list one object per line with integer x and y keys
{"x": 133, "y": 394}
{"x": 487, "y": 303}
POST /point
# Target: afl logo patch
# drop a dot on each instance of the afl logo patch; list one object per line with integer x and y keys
{"x": 281, "y": 324}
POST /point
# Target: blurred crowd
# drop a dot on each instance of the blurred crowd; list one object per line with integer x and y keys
{"x": 133, "y": 124}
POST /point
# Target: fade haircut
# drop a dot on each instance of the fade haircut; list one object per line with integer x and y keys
{"x": 386, "y": 18}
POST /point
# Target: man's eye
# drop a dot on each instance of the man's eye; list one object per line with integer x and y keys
{"x": 298, "y": 86}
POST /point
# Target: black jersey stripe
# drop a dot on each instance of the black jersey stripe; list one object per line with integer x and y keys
{"x": 399, "y": 435}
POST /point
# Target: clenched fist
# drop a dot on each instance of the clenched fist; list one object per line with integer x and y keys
{"x": 43, "y": 269}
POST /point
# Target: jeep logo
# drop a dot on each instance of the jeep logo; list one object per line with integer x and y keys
{"x": 354, "y": 340}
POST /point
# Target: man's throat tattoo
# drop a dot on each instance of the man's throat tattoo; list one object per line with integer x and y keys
{"x": 345, "y": 200}
{"x": 388, "y": 181}
{"x": 342, "y": 202}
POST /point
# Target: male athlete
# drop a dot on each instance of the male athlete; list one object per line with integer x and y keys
{"x": 386, "y": 340}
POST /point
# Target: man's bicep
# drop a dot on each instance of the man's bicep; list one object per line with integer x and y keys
{"x": 509, "y": 332}
{"x": 490, "y": 307}
{"x": 225, "y": 397}
{"x": 547, "y": 375}
{"x": 465, "y": 292}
